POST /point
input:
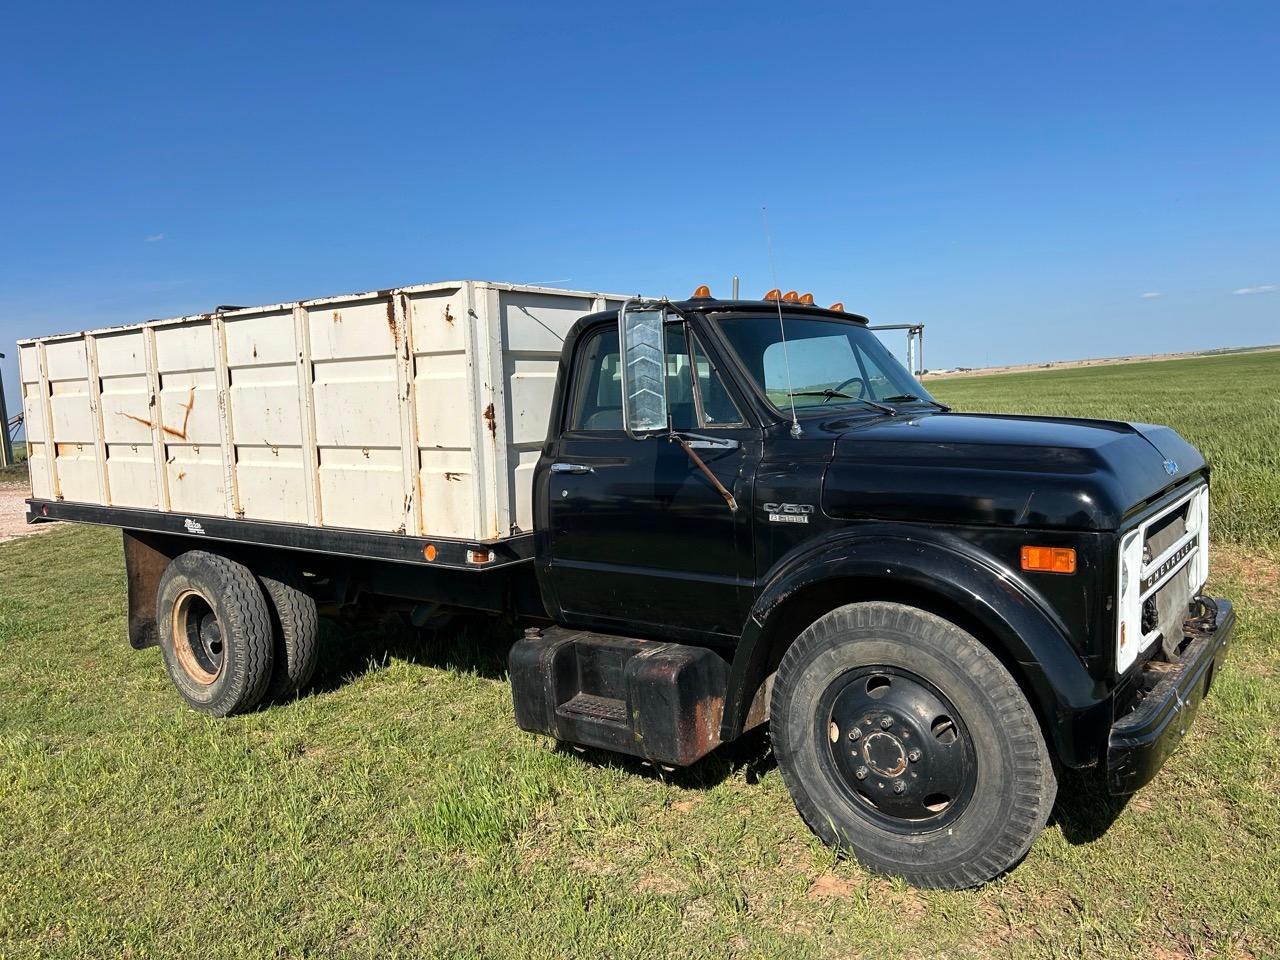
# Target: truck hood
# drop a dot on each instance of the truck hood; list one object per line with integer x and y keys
{"x": 994, "y": 470}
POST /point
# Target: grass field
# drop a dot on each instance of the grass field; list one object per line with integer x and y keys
{"x": 396, "y": 810}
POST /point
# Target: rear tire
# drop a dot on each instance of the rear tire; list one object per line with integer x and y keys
{"x": 215, "y": 633}
{"x": 295, "y": 631}
{"x": 906, "y": 743}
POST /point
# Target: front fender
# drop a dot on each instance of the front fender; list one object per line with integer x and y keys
{"x": 934, "y": 566}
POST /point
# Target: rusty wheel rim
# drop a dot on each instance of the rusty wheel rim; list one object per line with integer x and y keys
{"x": 197, "y": 638}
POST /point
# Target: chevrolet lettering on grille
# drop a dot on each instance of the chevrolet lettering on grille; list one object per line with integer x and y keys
{"x": 1165, "y": 568}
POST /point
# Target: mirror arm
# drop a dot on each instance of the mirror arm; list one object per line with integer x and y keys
{"x": 706, "y": 471}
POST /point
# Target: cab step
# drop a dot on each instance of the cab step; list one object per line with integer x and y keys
{"x": 660, "y": 701}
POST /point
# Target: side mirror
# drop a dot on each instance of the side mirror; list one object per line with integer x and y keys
{"x": 644, "y": 368}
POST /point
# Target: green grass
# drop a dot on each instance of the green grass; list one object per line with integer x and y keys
{"x": 397, "y": 811}
{"x": 1227, "y": 405}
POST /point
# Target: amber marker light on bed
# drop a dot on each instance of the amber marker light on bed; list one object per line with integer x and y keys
{"x": 1049, "y": 559}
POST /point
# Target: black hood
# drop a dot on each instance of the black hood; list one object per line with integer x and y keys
{"x": 992, "y": 470}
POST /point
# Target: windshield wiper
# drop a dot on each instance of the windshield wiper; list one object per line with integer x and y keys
{"x": 905, "y": 397}
{"x": 883, "y": 408}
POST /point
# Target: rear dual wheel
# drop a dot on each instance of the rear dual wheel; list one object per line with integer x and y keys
{"x": 906, "y": 743}
{"x": 230, "y": 639}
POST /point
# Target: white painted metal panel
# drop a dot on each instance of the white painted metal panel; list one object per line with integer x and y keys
{"x": 125, "y": 399}
{"x": 188, "y": 418}
{"x": 74, "y": 447}
{"x": 419, "y": 410}
{"x": 33, "y": 421}
{"x": 266, "y": 418}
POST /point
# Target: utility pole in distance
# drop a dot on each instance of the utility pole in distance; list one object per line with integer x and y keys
{"x": 6, "y": 448}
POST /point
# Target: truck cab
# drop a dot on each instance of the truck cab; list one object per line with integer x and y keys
{"x": 932, "y": 610}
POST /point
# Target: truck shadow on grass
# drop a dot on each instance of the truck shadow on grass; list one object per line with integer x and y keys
{"x": 348, "y": 651}
{"x": 1084, "y": 809}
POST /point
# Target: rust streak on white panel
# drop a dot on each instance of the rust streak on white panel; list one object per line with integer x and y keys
{"x": 489, "y": 339}
{"x": 154, "y": 415}
{"x": 399, "y": 313}
{"x": 95, "y": 413}
{"x": 222, "y": 381}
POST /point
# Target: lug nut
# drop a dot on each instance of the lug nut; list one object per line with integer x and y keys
{"x": 899, "y": 786}
{"x": 861, "y": 773}
{"x": 886, "y": 723}
{"x": 914, "y": 756}
{"x": 855, "y": 733}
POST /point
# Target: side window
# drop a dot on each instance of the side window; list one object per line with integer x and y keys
{"x": 597, "y": 384}
{"x": 680, "y": 402}
{"x": 718, "y": 408}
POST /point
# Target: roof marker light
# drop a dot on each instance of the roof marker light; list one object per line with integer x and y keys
{"x": 774, "y": 294}
{"x": 806, "y": 298}
{"x": 791, "y": 296}
{"x": 702, "y": 293}
{"x": 837, "y": 306}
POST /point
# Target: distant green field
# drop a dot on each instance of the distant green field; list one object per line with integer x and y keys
{"x": 396, "y": 811}
{"x": 1228, "y": 406}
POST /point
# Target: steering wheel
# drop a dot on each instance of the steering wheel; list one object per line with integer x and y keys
{"x": 862, "y": 387}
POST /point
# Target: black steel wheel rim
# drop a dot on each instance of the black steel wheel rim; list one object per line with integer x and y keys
{"x": 896, "y": 747}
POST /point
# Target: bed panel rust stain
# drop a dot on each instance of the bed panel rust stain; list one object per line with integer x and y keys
{"x": 186, "y": 417}
{"x": 490, "y": 418}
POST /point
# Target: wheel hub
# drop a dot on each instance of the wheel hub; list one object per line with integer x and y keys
{"x": 884, "y": 754}
{"x": 897, "y": 748}
{"x": 197, "y": 638}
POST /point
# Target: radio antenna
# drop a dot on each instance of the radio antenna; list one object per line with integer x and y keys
{"x": 786, "y": 357}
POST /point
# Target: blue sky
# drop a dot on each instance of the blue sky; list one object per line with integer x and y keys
{"x": 1032, "y": 181}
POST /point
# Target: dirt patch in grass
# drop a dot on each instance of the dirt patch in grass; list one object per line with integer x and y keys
{"x": 13, "y": 512}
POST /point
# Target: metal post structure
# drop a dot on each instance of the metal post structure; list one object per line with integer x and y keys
{"x": 6, "y": 448}
{"x": 915, "y": 343}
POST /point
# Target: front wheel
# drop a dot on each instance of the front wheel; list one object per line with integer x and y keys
{"x": 905, "y": 742}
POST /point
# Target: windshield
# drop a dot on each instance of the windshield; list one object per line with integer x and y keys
{"x": 833, "y": 362}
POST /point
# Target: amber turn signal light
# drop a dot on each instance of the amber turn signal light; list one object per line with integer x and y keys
{"x": 1049, "y": 559}
{"x": 702, "y": 293}
{"x": 774, "y": 294}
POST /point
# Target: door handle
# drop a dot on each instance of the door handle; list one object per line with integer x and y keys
{"x": 571, "y": 468}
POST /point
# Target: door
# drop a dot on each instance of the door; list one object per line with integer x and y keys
{"x": 640, "y": 537}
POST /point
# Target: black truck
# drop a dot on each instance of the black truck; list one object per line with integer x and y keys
{"x": 747, "y": 512}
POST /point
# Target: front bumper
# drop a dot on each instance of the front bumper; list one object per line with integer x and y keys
{"x": 1141, "y": 741}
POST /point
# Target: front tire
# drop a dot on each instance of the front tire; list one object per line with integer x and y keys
{"x": 215, "y": 633}
{"x": 906, "y": 743}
